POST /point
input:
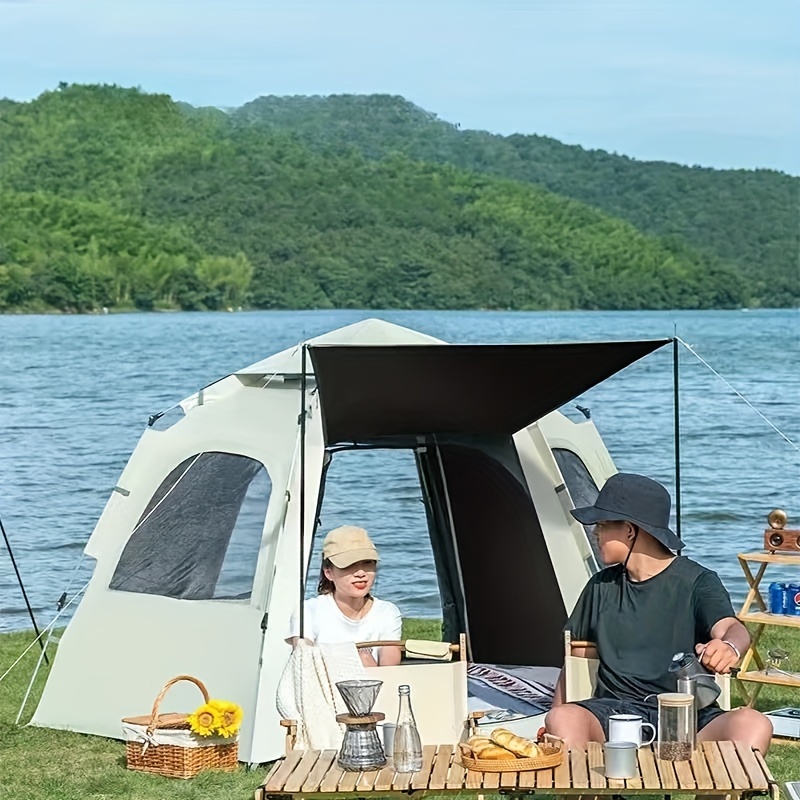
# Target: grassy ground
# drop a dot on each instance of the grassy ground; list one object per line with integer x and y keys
{"x": 38, "y": 764}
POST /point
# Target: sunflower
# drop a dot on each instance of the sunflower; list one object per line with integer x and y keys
{"x": 230, "y": 717}
{"x": 205, "y": 720}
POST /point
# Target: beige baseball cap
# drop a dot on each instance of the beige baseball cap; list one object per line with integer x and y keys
{"x": 347, "y": 545}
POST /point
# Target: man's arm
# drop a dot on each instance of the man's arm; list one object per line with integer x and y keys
{"x": 729, "y": 641}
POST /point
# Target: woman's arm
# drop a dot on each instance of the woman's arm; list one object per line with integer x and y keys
{"x": 392, "y": 632}
{"x": 389, "y": 656}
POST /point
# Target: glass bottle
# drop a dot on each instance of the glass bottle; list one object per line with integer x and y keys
{"x": 407, "y": 749}
{"x": 676, "y": 726}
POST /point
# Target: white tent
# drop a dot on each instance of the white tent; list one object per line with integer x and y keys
{"x": 211, "y": 504}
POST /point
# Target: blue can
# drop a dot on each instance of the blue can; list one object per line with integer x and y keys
{"x": 778, "y": 595}
{"x": 793, "y": 599}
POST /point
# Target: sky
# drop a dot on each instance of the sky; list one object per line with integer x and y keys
{"x": 708, "y": 82}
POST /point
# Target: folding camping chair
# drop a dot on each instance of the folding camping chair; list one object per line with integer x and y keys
{"x": 580, "y": 674}
{"x": 438, "y": 690}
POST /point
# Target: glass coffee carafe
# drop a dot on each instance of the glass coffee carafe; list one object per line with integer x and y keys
{"x": 361, "y": 747}
{"x": 677, "y": 726}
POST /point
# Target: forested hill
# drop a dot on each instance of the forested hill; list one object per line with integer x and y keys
{"x": 113, "y": 197}
{"x": 747, "y": 217}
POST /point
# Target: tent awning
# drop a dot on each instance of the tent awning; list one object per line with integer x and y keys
{"x": 369, "y": 393}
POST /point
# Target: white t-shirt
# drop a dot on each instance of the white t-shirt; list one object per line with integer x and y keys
{"x": 325, "y": 623}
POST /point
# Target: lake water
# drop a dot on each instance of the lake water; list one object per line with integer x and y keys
{"x": 76, "y": 392}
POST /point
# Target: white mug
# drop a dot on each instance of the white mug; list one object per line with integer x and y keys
{"x": 628, "y": 728}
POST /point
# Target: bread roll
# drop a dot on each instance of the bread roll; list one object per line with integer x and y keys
{"x": 516, "y": 744}
{"x": 475, "y": 743}
{"x": 495, "y": 753}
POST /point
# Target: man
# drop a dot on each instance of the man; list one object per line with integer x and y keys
{"x": 648, "y": 606}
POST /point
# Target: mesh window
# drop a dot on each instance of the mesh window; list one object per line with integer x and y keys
{"x": 200, "y": 534}
{"x": 581, "y": 486}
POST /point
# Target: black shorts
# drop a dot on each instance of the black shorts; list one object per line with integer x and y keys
{"x": 604, "y": 707}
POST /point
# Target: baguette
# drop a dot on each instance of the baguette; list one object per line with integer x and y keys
{"x": 494, "y": 752}
{"x": 475, "y": 743}
{"x": 524, "y": 748}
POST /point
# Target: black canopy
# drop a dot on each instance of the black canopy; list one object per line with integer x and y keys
{"x": 484, "y": 527}
{"x": 374, "y": 392}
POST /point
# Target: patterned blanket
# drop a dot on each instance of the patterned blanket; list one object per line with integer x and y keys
{"x": 523, "y": 690}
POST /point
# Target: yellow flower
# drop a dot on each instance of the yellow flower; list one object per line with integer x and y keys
{"x": 230, "y": 717}
{"x": 205, "y": 720}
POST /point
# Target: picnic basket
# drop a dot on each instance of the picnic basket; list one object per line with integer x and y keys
{"x": 552, "y": 754}
{"x": 164, "y": 744}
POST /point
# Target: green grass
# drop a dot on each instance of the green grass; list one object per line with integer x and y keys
{"x": 40, "y": 764}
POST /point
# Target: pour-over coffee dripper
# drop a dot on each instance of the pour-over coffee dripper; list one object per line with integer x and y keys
{"x": 361, "y": 747}
{"x": 359, "y": 696}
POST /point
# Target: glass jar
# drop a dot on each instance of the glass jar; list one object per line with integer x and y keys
{"x": 407, "y": 747}
{"x": 677, "y": 726}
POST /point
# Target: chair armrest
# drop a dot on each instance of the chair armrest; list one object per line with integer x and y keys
{"x": 459, "y": 648}
{"x": 580, "y": 670}
{"x": 472, "y": 721}
{"x": 573, "y": 646}
{"x": 291, "y": 734}
{"x": 454, "y": 648}
{"x": 583, "y": 649}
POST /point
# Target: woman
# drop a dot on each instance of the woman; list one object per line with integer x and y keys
{"x": 344, "y": 610}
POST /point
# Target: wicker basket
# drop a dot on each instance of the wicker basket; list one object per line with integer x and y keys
{"x": 176, "y": 760}
{"x": 552, "y": 755}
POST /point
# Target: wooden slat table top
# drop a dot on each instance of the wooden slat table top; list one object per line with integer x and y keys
{"x": 666, "y": 771}
{"x": 647, "y": 767}
{"x": 491, "y": 780}
{"x": 715, "y": 767}
{"x": 298, "y": 777}
{"x": 594, "y": 753}
{"x": 384, "y": 780}
{"x": 441, "y": 767}
{"x": 422, "y": 779}
{"x": 455, "y": 775}
{"x": 314, "y": 779}
{"x": 751, "y": 766}
{"x": 739, "y": 779}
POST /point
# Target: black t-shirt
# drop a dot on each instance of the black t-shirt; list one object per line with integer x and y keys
{"x": 639, "y": 626}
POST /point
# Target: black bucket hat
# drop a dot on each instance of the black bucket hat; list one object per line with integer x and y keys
{"x": 636, "y": 499}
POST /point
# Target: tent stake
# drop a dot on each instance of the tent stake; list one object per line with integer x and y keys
{"x": 303, "y": 358}
{"x": 677, "y": 423}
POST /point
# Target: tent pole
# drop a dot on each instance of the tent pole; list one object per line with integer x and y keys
{"x": 303, "y": 358}
{"x": 22, "y": 587}
{"x": 452, "y": 531}
{"x": 677, "y": 423}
